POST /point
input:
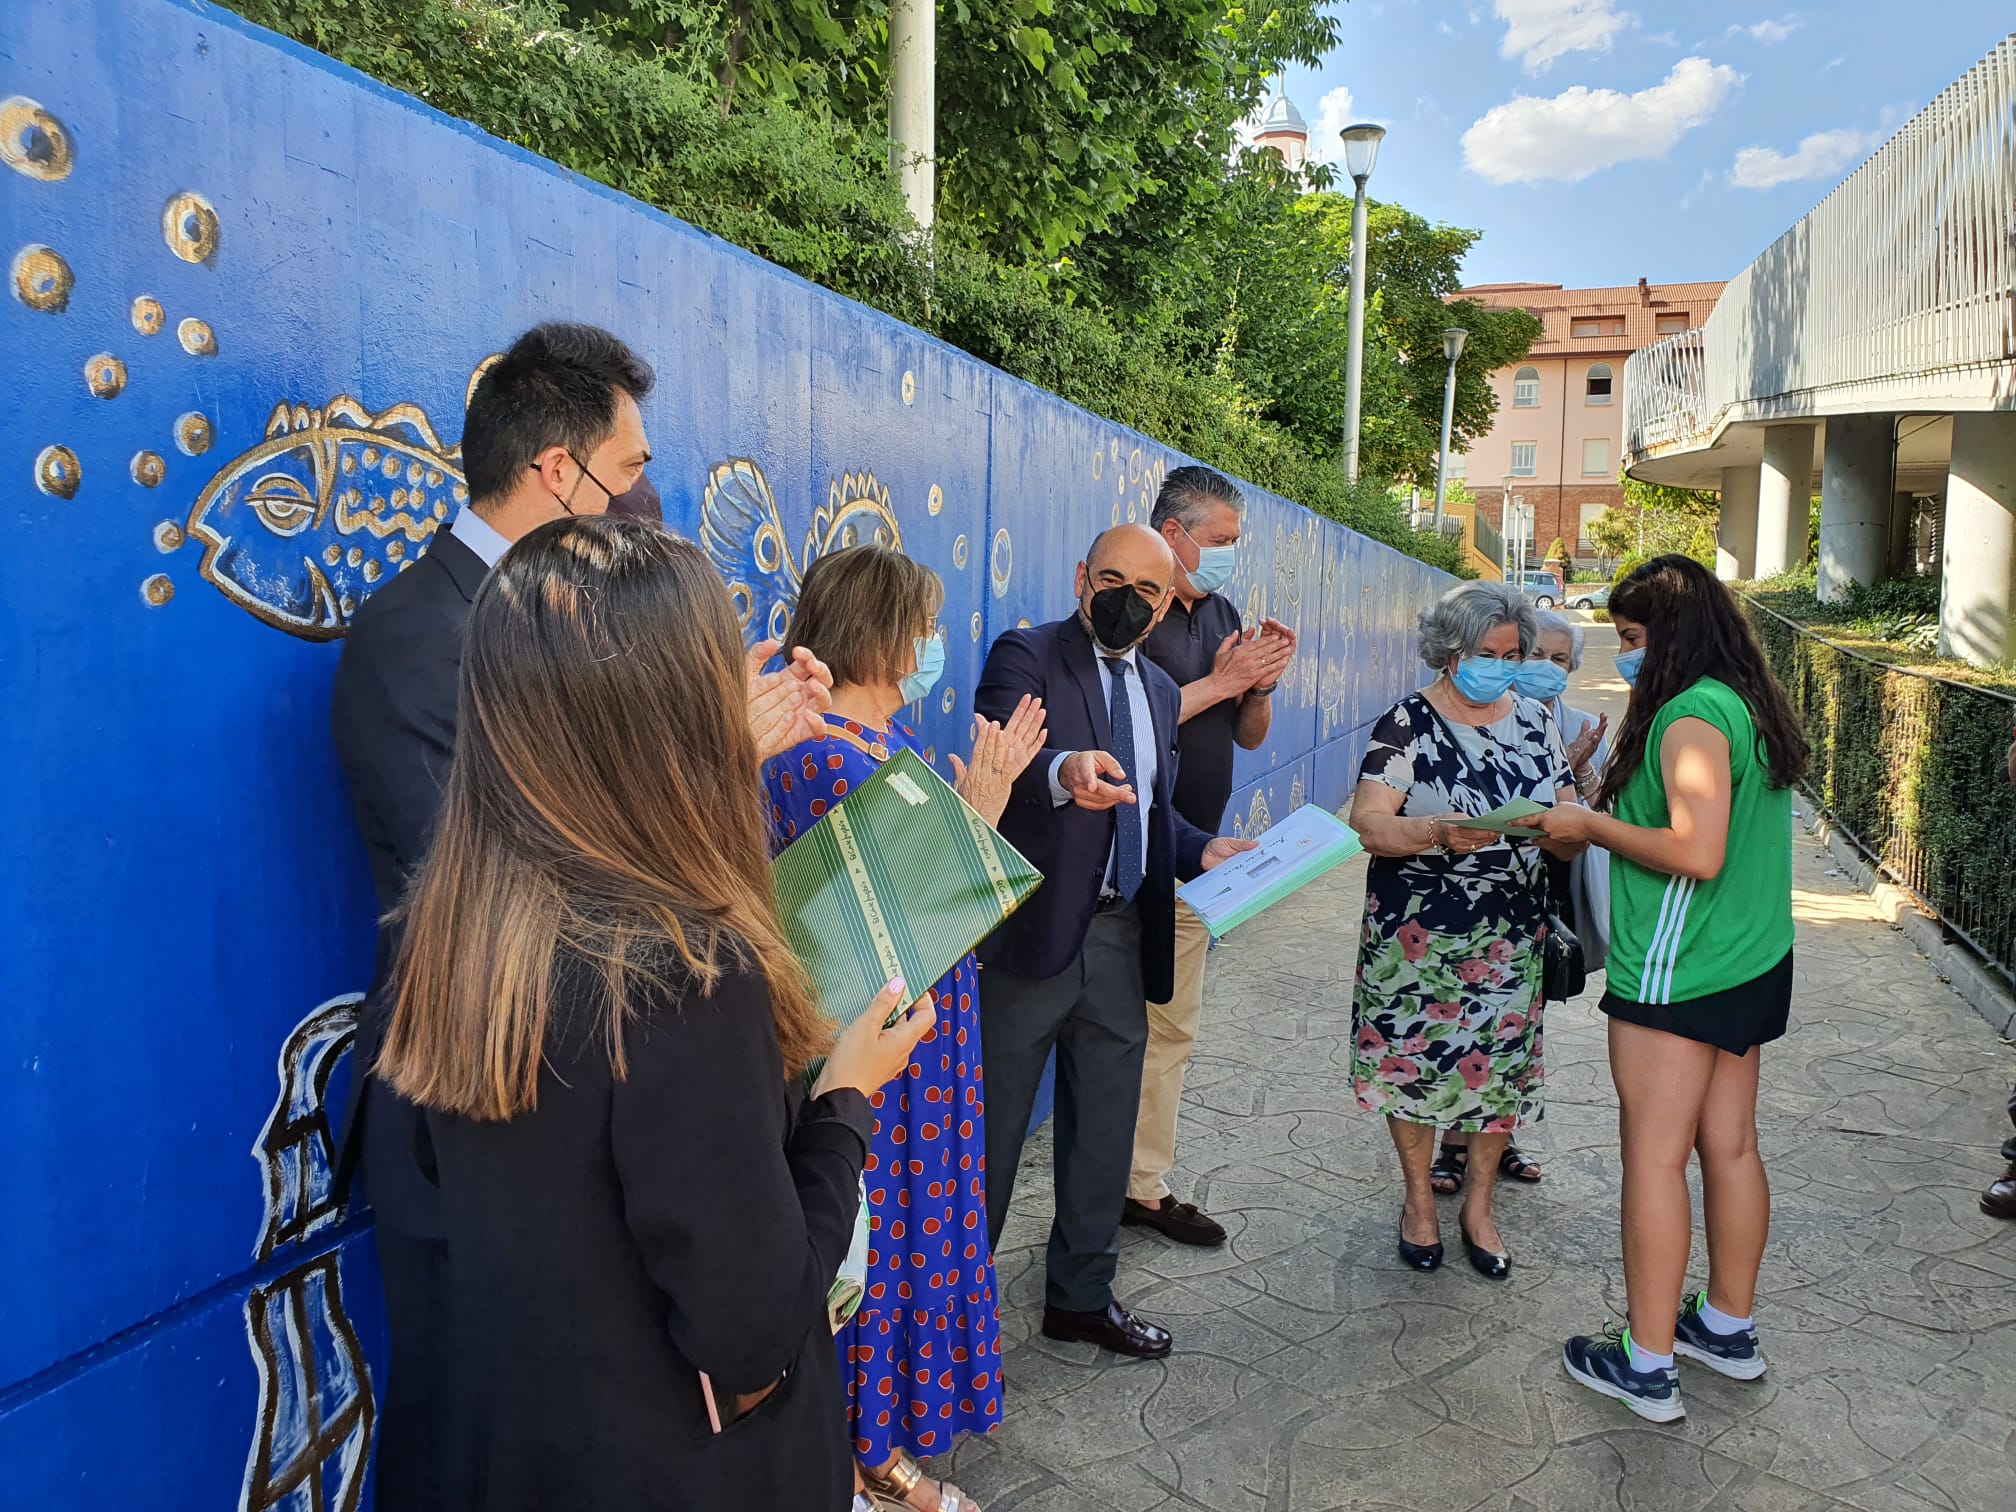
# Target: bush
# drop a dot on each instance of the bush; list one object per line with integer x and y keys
{"x": 1914, "y": 768}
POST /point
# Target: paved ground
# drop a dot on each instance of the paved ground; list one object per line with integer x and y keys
{"x": 1312, "y": 1371}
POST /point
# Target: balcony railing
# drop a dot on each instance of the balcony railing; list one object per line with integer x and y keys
{"x": 1489, "y": 541}
{"x": 1906, "y": 272}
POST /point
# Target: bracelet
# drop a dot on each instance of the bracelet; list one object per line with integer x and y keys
{"x": 1266, "y": 692}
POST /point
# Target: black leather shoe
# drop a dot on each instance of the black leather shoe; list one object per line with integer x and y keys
{"x": 2009, "y": 1149}
{"x": 1422, "y": 1257}
{"x": 1999, "y": 1201}
{"x": 1486, "y": 1262}
{"x": 1116, "y": 1329}
{"x": 1182, "y": 1221}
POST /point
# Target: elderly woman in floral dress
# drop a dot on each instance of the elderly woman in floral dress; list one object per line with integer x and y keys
{"x": 1446, "y": 1013}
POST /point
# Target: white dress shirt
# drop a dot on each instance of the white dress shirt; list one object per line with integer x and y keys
{"x": 480, "y": 536}
{"x": 1146, "y": 753}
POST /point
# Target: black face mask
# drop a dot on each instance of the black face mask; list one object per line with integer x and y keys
{"x": 639, "y": 502}
{"x": 1120, "y": 617}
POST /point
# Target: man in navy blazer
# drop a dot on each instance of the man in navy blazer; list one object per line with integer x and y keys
{"x": 1075, "y": 966}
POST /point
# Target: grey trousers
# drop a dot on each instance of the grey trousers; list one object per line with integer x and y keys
{"x": 1095, "y": 1015}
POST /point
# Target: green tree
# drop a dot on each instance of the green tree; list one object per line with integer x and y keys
{"x": 1655, "y": 520}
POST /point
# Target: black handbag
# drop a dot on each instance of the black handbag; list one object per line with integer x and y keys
{"x": 1564, "y": 970}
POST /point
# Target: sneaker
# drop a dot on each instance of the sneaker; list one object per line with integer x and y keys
{"x": 1604, "y": 1366}
{"x": 1734, "y": 1355}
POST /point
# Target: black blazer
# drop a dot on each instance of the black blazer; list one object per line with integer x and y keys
{"x": 1070, "y": 845}
{"x": 625, "y": 1236}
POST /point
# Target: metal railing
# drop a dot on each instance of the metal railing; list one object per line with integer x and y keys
{"x": 1911, "y": 768}
{"x": 1906, "y": 272}
{"x": 1489, "y": 542}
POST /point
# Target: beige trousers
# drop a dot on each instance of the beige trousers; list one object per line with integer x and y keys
{"x": 1172, "y": 1036}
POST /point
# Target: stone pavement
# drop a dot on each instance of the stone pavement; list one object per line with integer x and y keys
{"x": 1312, "y": 1371}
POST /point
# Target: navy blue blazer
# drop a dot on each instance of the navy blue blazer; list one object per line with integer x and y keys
{"x": 1070, "y": 845}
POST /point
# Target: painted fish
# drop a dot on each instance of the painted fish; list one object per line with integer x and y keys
{"x": 299, "y": 529}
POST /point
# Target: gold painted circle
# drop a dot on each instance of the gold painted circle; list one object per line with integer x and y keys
{"x": 1098, "y": 465}
{"x": 148, "y": 316}
{"x": 42, "y": 280}
{"x": 193, "y": 434}
{"x": 947, "y": 701}
{"x": 157, "y": 590}
{"x": 961, "y": 551}
{"x": 1001, "y": 561}
{"x": 976, "y": 624}
{"x": 33, "y": 142}
{"x": 105, "y": 376}
{"x": 937, "y": 499}
{"x": 57, "y": 472}
{"x": 909, "y": 387}
{"x": 148, "y": 470}
{"x": 168, "y": 537}
{"x": 197, "y": 339}
{"x": 189, "y": 226}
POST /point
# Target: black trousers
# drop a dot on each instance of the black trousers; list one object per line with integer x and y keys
{"x": 1095, "y": 1015}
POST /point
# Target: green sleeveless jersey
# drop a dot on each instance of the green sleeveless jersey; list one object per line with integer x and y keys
{"x": 1673, "y": 939}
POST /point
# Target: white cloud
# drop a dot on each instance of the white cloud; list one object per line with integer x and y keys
{"x": 1334, "y": 112}
{"x": 1445, "y": 28}
{"x": 1569, "y": 136}
{"x": 1819, "y": 156}
{"x": 1537, "y": 32}
{"x": 1834, "y": 63}
{"x": 1666, "y": 38}
{"x": 1770, "y": 33}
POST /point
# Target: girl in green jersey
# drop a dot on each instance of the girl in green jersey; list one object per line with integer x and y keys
{"x": 1695, "y": 810}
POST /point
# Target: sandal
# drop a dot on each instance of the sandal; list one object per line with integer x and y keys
{"x": 1516, "y": 1165}
{"x": 894, "y": 1488}
{"x": 1446, "y": 1175}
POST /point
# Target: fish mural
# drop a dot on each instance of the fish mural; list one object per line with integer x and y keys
{"x": 743, "y": 534}
{"x": 300, "y": 528}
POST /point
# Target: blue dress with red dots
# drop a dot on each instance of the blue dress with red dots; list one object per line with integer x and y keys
{"x": 921, "y": 1359}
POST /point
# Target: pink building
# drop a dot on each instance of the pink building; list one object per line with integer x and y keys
{"x": 1558, "y": 434}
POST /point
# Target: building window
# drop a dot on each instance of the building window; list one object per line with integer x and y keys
{"x": 1672, "y": 325}
{"x": 1525, "y": 458}
{"x": 1596, "y": 457}
{"x": 1597, "y": 325}
{"x": 1598, "y": 389}
{"x": 1590, "y": 513}
{"x": 1526, "y": 388}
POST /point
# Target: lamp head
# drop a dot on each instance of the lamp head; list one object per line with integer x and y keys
{"x": 1452, "y": 342}
{"x": 1361, "y": 149}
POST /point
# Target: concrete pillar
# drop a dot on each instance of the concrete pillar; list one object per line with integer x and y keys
{"x": 1784, "y": 498}
{"x": 1978, "y": 592}
{"x": 1736, "y": 529}
{"x": 1855, "y": 503}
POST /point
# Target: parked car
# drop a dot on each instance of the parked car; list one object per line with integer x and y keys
{"x": 1589, "y": 595}
{"x": 1544, "y": 588}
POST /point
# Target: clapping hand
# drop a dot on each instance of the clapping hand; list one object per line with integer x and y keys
{"x": 1586, "y": 746}
{"x": 1277, "y": 643}
{"x": 1001, "y": 753}
{"x": 787, "y": 706}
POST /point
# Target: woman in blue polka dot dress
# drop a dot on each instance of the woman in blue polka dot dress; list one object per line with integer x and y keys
{"x": 920, "y": 1360}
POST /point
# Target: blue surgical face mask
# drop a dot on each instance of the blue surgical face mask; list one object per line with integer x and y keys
{"x": 1629, "y": 664}
{"x": 930, "y": 663}
{"x": 1214, "y": 565}
{"x": 1541, "y": 679}
{"x": 1484, "y": 679}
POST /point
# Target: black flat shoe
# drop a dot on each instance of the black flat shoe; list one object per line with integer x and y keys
{"x": 1421, "y": 1257}
{"x": 1485, "y": 1262}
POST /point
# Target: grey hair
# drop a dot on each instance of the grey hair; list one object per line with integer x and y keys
{"x": 1190, "y": 493}
{"x": 1456, "y": 623}
{"x": 1550, "y": 623}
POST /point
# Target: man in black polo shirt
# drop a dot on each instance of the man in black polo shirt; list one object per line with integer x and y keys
{"x": 1227, "y": 675}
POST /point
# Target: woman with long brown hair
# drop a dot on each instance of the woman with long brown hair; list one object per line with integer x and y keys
{"x": 598, "y": 1012}
{"x": 1698, "y": 821}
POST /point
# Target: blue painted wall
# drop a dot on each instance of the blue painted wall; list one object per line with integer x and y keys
{"x": 247, "y": 292}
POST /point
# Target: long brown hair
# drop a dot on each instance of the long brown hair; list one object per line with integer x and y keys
{"x": 1695, "y": 629}
{"x": 603, "y": 803}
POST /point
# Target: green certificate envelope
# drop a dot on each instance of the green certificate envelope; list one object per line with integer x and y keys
{"x": 901, "y": 879}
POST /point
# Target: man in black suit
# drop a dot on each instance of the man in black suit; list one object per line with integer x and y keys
{"x": 1075, "y": 967}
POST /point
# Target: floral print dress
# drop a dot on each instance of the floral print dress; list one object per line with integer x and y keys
{"x": 921, "y": 1359}
{"x": 1446, "y": 1016}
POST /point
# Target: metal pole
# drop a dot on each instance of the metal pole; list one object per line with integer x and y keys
{"x": 1354, "y": 362}
{"x": 1442, "y": 468}
{"x": 913, "y": 104}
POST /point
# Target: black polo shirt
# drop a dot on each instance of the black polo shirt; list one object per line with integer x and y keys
{"x": 1185, "y": 645}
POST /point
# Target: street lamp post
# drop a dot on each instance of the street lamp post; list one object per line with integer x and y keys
{"x": 1505, "y": 540}
{"x": 1452, "y": 346}
{"x": 1361, "y": 152}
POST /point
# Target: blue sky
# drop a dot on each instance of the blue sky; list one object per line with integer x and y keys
{"x": 1597, "y": 141}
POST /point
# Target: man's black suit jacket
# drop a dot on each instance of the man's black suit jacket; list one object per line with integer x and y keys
{"x": 393, "y": 718}
{"x": 1070, "y": 845}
